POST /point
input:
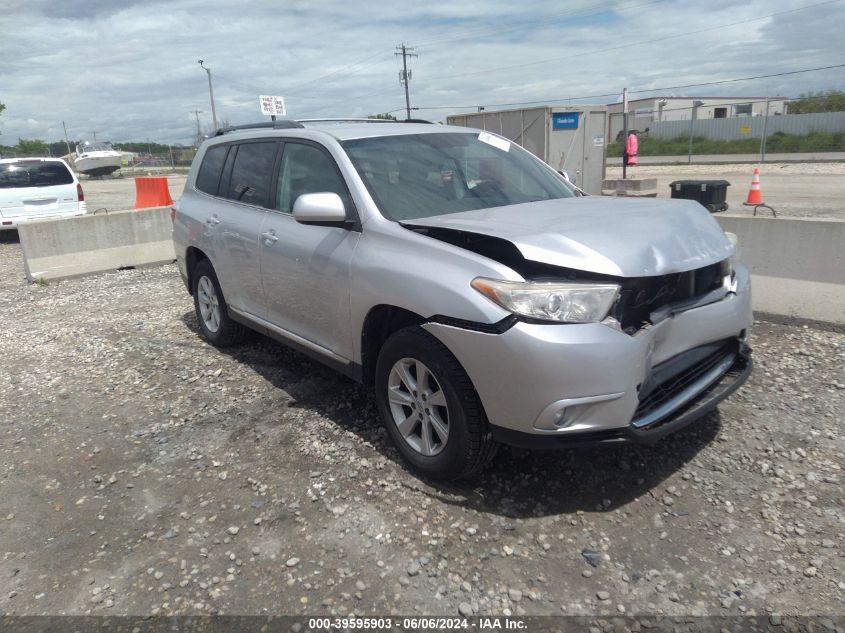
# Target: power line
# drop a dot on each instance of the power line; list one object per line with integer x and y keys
{"x": 293, "y": 89}
{"x": 579, "y": 13}
{"x": 638, "y": 43}
{"x": 358, "y": 97}
{"x": 349, "y": 68}
{"x": 584, "y": 12}
{"x": 728, "y": 81}
{"x": 638, "y": 90}
{"x": 296, "y": 88}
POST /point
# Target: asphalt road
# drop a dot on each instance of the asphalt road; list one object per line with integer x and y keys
{"x": 793, "y": 189}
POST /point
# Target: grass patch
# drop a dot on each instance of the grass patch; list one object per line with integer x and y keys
{"x": 778, "y": 142}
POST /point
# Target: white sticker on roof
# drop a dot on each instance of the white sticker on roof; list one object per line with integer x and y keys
{"x": 495, "y": 141}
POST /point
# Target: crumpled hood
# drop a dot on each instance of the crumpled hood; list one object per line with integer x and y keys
{"x": 623, "y": 237}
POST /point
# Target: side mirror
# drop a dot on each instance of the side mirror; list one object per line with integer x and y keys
{"x": 319, "y": 208}
{"x": 566, "y": 176}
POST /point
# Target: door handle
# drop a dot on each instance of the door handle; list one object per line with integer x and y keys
{"x": 270, "y": 237}
{"x": 212, "y": 221}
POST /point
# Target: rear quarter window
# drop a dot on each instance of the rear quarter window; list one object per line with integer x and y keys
{"x": 208, "y": 178}
{"x": 34, "y": 174}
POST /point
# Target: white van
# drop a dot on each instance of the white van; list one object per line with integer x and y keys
{"x": 37, "y": 188}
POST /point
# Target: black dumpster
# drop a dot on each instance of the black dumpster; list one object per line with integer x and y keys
{"x": 710, "y": 193}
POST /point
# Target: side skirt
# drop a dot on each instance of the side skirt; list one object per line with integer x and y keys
{"x": 304, "y": 346}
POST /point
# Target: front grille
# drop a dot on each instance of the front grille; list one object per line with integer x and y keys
{"x": 670, "y": 379}
{"x": 642, "y": 296}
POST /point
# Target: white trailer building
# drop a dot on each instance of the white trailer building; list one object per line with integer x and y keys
{"x": 643, "y": 112}
{"x": 570, "y": 138}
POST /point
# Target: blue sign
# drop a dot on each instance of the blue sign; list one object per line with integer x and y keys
{"x": 565, "y": 120}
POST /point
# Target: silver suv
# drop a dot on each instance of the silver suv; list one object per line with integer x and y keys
{"x": 484, "y": 297}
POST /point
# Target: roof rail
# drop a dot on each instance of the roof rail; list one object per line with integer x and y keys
{"x": 346, "y": 120}
{"x": 362, "y": 120}
{"x": 277, "y": 125}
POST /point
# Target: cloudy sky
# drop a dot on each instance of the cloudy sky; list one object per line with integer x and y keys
{"x": 127, "y": 69}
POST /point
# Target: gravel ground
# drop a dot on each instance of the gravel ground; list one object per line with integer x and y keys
{"x": 143, "y": 471}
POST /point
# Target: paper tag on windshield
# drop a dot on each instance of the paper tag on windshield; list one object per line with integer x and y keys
{"x": 495, "y": 141}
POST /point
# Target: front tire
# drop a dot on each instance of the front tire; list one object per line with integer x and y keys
{"x": 211, "y": 309}
{"x": 430, "y": 408}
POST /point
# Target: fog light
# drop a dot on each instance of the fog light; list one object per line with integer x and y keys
{"x": 559, "y": 419}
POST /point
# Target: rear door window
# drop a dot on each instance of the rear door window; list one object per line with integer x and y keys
{"x": 208, "y": 178}
{"x": 34, "y": 174}
{"x": 252, "y": 172}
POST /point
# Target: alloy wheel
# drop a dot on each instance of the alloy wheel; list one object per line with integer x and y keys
{"x": 418, "y": 406}
{"x": 209, "y": 304}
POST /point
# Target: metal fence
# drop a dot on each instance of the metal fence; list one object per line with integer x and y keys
{"x": 750, "y": 127}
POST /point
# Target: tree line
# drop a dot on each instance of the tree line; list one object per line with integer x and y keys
{"x": 39, "y": 147}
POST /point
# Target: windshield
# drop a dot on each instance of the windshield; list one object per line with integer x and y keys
{"x": 420, "y": 175}
{"x": 96, "y": 146}
{"x": 35, "y": 174}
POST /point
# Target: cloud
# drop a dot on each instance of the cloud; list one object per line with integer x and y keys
{"x": 128, "y": 70}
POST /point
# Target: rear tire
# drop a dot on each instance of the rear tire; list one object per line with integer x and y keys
{"x": 211, "y": 309}
{"x": 430, "y": 408}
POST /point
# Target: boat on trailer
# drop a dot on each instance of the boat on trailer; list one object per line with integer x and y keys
{"x": 97, "y": 158}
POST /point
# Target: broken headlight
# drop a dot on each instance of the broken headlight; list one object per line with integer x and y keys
{"x": 557, "y": 302}
{"x": 729, "y": 265}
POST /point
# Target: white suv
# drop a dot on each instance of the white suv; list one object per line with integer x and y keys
{"x": 37, "y": 188}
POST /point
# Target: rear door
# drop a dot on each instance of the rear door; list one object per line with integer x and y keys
{"x": 233, "y": 222}
{"x": 30, "y": 189}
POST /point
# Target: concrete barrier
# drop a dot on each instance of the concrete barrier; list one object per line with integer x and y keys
{"x": 96, "y": 243}
{"x": 797, "y": 265}
{"x": 640, "y": 187}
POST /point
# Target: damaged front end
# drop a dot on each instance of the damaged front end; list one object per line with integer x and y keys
{"x": 663, "y": 353}
{"x": 640, "y": 301}
{"x": 646, "y": 301}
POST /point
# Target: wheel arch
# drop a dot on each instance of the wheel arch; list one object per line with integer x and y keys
{"x": 381, "y": 322}
{"x": 193, "y": 256}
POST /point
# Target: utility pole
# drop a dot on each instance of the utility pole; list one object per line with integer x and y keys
{"x": 67, "y": 142}
{"x": 695, "y": 106}
{"x": 199, "y": 132}
{"x": 210, "y": 94}
{"x": 765, "y": 133}
{"x": 405, "y": 75}
{"x": 624, "y": 133}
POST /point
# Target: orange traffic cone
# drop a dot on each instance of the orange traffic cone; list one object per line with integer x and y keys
{"x": 755, "y": 196}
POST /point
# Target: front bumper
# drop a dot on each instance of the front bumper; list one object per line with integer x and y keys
{"x": 703, "y": 402}
{"x": 547, "y": 385}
